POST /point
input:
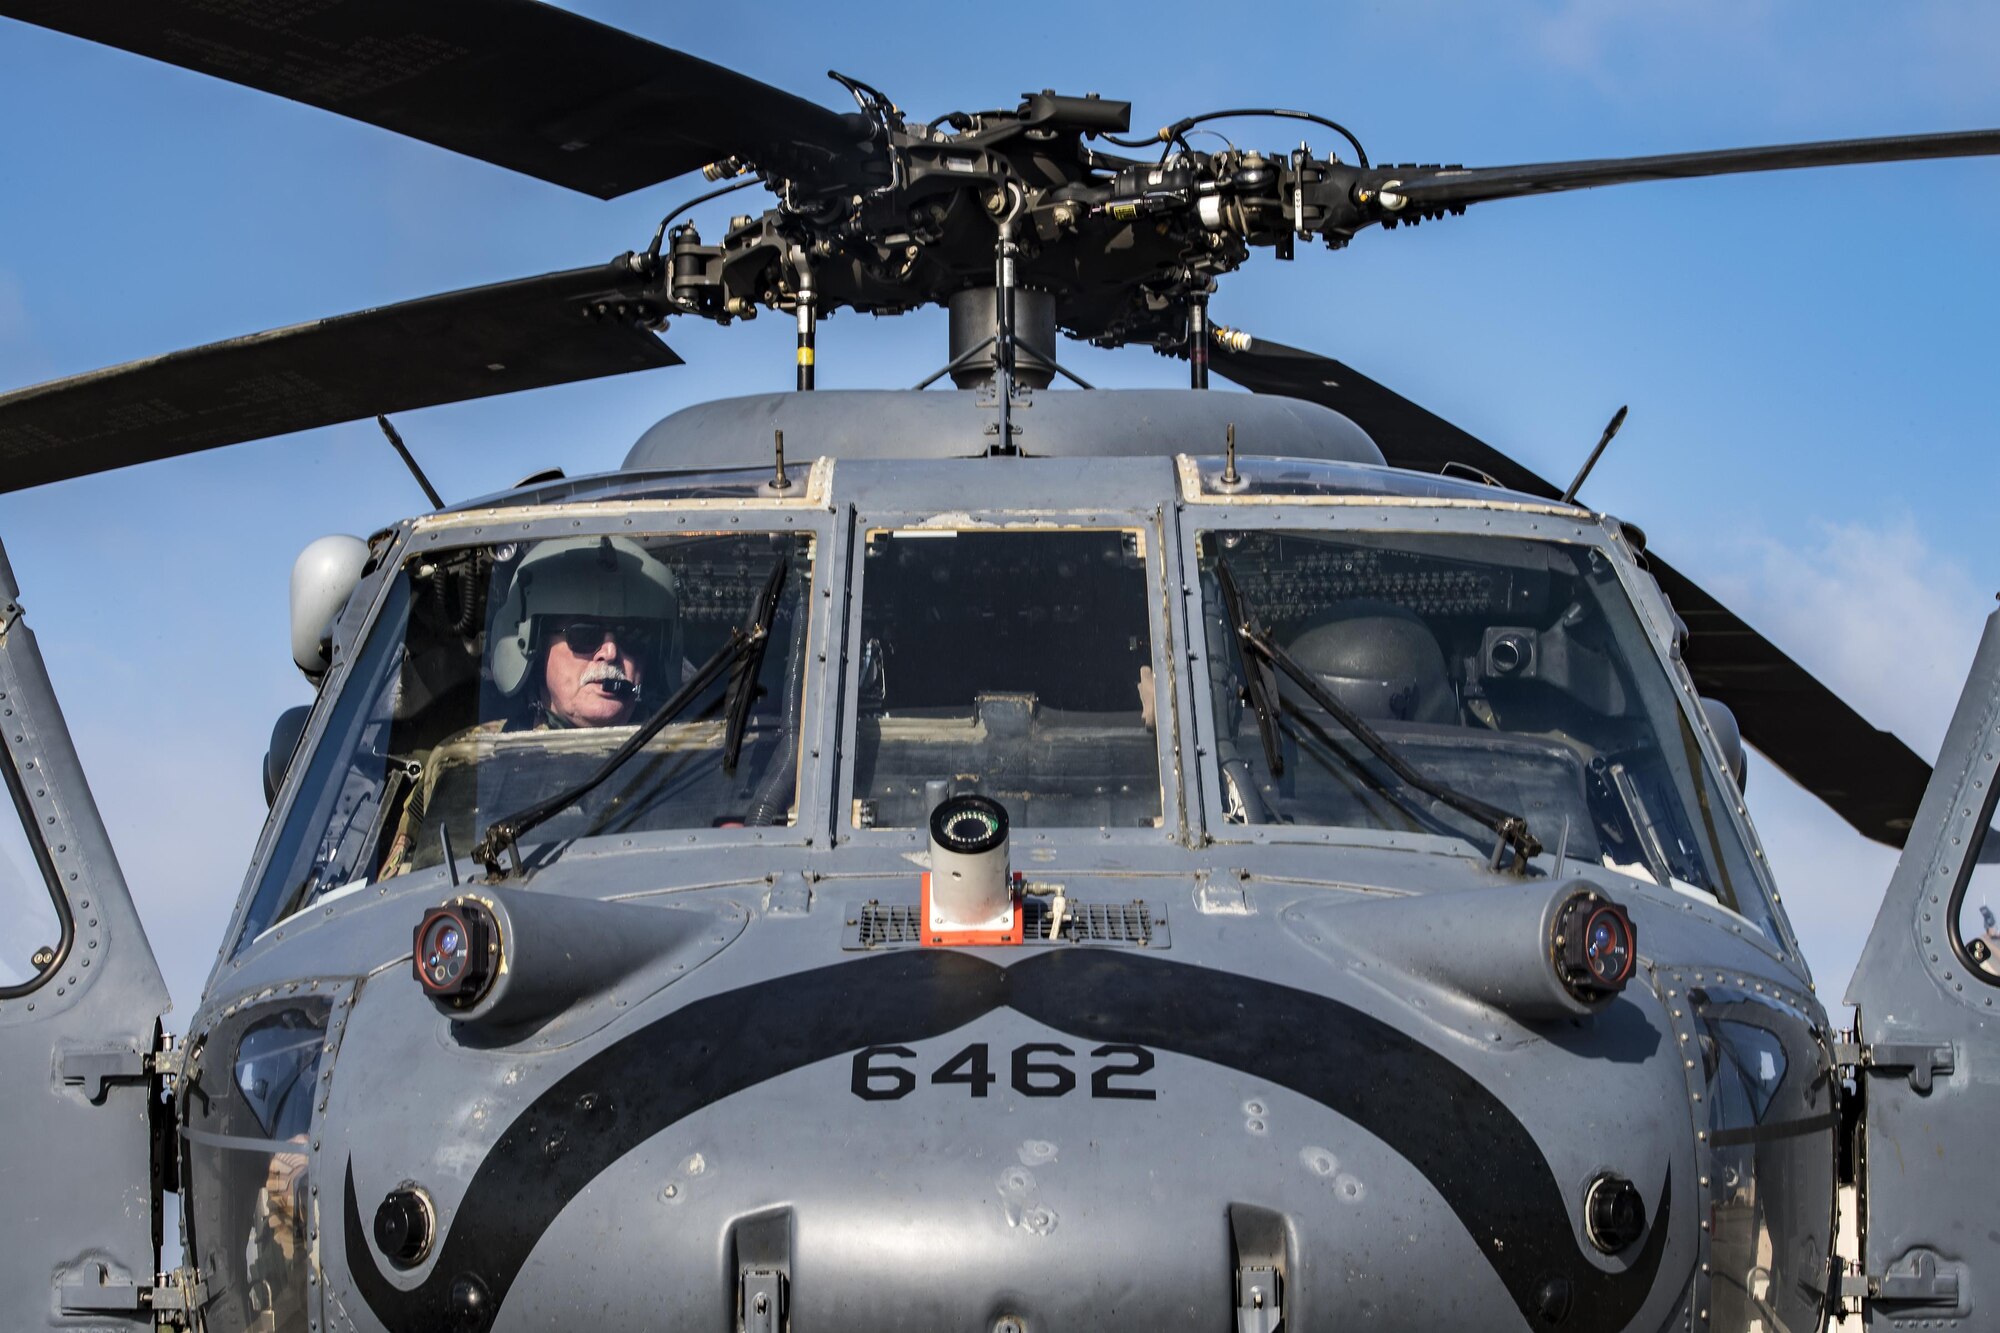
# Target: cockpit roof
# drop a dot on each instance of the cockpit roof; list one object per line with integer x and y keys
{"x": 1291, "y": 451}
{"x": 900, "y": 424}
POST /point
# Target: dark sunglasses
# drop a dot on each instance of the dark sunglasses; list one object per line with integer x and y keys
{"x": 585, "y": 637}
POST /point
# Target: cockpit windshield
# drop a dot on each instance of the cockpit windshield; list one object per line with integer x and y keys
{"x": 498, "y": 676}
{"x": 1513, "y": 671}
{"x": 1016, "y": 664}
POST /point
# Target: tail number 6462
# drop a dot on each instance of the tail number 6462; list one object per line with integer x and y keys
{"x": 1038, "y": 1069}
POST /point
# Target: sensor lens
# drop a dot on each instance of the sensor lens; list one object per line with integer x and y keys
{"x": 1614, "y": 1214}
{"x": 1593, "y": 946}
{"x": 452, "y": 953}
{"x": 403, "y": 1225}
{"x": 1607, "y": 946}
{"x": 443, "y": 951}
{"x": 969, "y": 824}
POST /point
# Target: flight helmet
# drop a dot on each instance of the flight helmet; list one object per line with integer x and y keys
{"x": 609, "y": 578}
{"x": 1381, "y": 661}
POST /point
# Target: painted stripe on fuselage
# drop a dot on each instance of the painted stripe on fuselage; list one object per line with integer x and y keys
{"x": 1478, "y": 1156}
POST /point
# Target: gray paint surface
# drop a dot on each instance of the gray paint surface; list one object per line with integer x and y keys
{"x": 1928, "y": 1218}
{"x": 78, "y": 1170}
{"x": 888, "y": 424}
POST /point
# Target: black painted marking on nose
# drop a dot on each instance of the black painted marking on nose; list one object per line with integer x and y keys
{"x": 1474, "y": 1151}
{"x": 1478, "y": 1156}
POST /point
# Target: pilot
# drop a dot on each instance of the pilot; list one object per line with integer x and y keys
{"x": 589, "y": 626}
{"x": 1381, "y": 661}
{"x": 590, "y": 621}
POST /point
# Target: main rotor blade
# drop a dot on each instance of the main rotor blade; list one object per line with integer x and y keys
{"x": 468, "y": 344}
{"x": 1439, "y": 187}
{"x": 523, "y": 85}
{"x": 1868, "y": 776}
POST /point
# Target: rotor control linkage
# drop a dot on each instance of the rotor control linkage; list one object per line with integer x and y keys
{"x": 808, "y": 309}
{"x": 1127, "y": 248}
{"x": 1197, "y": 340}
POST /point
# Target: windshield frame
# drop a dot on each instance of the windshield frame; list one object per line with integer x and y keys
{"x": 1357, "y": 516}
{"x": 1175, "y": 815}
{"x": 452, "y": 530}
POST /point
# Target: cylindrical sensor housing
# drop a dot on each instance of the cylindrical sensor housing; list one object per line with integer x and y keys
{"x": 453, "y": 953}
{"x": 1593, "y": 946}
{"x": 970, "y": 883}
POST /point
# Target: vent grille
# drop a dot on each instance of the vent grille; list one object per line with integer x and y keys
{"x": 1095, "y": 923}
{"x": 1137, "y": 924}
{"x": 882, "y": 926}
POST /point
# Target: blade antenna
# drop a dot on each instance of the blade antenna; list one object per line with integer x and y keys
{"x": 1610, "y": 429}
{"x": 779, "y": 481}
{"x": 409, "y": 461}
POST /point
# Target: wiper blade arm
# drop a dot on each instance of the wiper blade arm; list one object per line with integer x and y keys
{"x": 743, "y": 680}
{"x": 1258, "y": 682}
{"x": 504, "y": 835}
{"x": 1512, "y": 829}
{"x": 1258, "y": 647}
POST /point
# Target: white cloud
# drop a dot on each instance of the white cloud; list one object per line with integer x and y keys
{"x": 1940, "y": 53}
{"x": 1887, "y": 621}
{"x": 1889, "y": 624}
{"x": 1590, "y": 37}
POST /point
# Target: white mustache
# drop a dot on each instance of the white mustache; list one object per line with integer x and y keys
{"x": 609, "y": 674}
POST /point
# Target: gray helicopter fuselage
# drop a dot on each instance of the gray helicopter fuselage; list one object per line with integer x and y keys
{"x": 1277, "y": 1082}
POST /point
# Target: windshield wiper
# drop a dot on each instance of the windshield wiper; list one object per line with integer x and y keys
{"x": 1511, "y": 829}
{"x": 743, "y": 680}
{"x": 1258, "y": 682}
{"x": 504, "y": 835}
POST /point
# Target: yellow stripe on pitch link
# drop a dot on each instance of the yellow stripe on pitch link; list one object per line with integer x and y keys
{"x": 805, "y": 356}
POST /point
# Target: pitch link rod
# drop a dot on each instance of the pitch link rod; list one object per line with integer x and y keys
{"x": 1003, "y": 317}
{"x": 1198, "y": 341}
{"x": 808, "y": 303}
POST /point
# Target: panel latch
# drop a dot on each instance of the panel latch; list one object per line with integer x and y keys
{"x": 760, "y": 1304}
{"x": 1257, "y": 1307}
{"x": 1258, "y": 1239}
{"x": 1923, "y": 1060}
{"x": 173, "y": 1299}
{"x": 760, "y": 1248}
{"x": 91, "y": 1070}
{"x": 1914, "y": 1283}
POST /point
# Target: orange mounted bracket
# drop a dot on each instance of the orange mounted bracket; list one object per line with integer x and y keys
{"x": 1002, "y": 930}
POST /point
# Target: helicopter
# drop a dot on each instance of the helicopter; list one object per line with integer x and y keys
{"x": 1275, "y": 1275}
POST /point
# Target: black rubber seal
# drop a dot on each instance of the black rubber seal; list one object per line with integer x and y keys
{"x": 969, "y": 824}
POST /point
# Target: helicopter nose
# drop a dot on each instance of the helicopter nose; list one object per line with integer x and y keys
{"x": 940, "y": 1195}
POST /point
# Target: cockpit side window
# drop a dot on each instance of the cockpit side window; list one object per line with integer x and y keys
{"x": 1514, "y": 671}
{"x": 1016, "y": 664}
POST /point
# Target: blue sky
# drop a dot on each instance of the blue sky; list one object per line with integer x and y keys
{"x": 1808, "y": 356}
